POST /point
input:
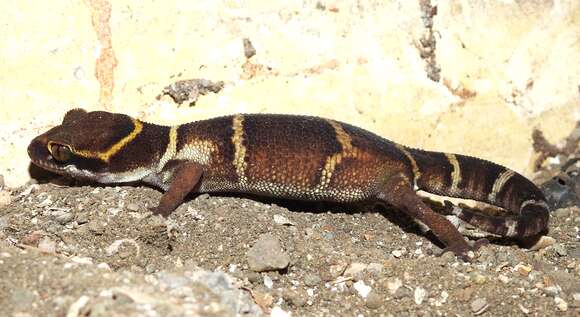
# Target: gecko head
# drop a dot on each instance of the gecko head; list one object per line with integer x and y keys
{"x": 84, "y": 144}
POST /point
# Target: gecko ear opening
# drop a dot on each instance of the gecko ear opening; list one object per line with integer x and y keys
{"x": 73, "y": 115}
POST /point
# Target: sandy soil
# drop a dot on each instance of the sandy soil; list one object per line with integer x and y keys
{"x": 96, "y": 251}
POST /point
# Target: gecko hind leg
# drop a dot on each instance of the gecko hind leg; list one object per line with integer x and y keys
{"x": 399, "y": 193}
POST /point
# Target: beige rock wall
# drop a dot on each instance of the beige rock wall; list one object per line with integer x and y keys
{"x": 502, "y": 67}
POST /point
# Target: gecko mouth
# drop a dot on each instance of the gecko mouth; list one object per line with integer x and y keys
{"x": 49, "y": 166}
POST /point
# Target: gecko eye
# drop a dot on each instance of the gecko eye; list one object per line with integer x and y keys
{"x": 60, "y": 152}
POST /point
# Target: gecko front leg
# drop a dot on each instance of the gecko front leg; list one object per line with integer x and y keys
{"x": 185, "y": 177}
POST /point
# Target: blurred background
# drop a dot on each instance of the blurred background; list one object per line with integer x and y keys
{"x": 473, "y": 77}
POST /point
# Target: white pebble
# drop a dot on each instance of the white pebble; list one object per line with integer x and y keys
{"x": 75, "y": 309}
{"x": 394, "y": 285}
{"x": 560, "y": 304}
{"x": 47, "y": 245}
{"x": 279, "y": 312}
{"x": 82, "y": 260}
{"x": 268, "y": 282}
{"x": 281, "y": 220}
{"x": 419, "y": 295}
{"x": 362, "y": 289}
{"x": 104, "y": 266}
{"x": 355, "y": 268}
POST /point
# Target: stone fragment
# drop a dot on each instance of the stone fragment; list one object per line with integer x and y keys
{"x": 362, "y": 289}
{"x": 419, "y": 295}
{"x": 5, "y": 198}
{"x": 478, "y": 306}
{"x": 267, "y": 255}
{"x": 47, "y": 245}
{"x": 543, "y": 242}
{"x": 561, "y": 304}
{"x": 373, "y": 300}
{"x": 281, "y": 220}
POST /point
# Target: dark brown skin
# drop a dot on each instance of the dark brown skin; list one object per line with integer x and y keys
{"x": 296, "y": 157}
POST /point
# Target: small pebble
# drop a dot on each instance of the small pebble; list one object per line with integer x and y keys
{"x": 104, "y": 266}
{"x": 561, "y": 304}
{"x": 62, "y": 217}
{"x": 254, "y": 277}
{"x": 82, "y": 218}
{"x": 562, "y": 212}
{"x": 465, "y": 294}
{"x": 419, "y": 295}
{"x": 76, "y": 307}
{"x": 551, "y": 290}
{"x": 96, "y": 228}
{"x": 504, "y": 279}
{"x": 523, "y": 309}
{"x": 362, "y": 289}
{"x": 22, "y": 297}
{"x": 172, "y": 281}
{"x": 311, "y": 279}
{"x": 478, "y": 306}
{"x": 478, "y": 278}
{"x": 5, "y": 198}
{"x": 249, "y": 49}
{"x": 397, "y": 253}
{"x": 32, "y": 238}
{"x": 294, "y": 298}
{"x": 402, "y": 292}
{"x": 267, "y": 255}
{"x": 281, "y": 220}
{"x": 448, "y": 257}
{"x": 560, "y": 249}
{"x": 337, "y": 270}
{"x": 132, "y": 207}
{"x": 355, "y": 270}
{"x": 268, "y": 282}
{"x": 542, "y": 243}
{"x": 375, "y": 268}
{"x": 373, "y": 300}
{"x": 394, "y": 285}
{"x": 47, "y": 245}
{"x": 279, "y": 312}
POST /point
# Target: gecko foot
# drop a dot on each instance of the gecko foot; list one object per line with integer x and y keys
{"x": 461, "y": 250}
{"x": 159, "y": 211}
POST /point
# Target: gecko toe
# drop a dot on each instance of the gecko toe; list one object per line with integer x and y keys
{"x": 465, "y": 251}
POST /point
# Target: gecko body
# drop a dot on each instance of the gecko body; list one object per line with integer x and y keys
{"x": 294, "y": 157}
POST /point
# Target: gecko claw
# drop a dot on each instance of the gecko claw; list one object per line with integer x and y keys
{"x": 159, "y": 211}
{"x": 465, "y": 251}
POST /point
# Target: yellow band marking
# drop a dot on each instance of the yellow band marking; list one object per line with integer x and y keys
{"x": 171, "y": 148}
{"x": 240, "y": 150}
{"x": 343, "y": 138}
{"x": 414, "y": 166}
{"x": 107, "y": 154}
{"x": 499, "y": 183}
{"x": 456, "y": 173}
{"x": 332, "y": 161}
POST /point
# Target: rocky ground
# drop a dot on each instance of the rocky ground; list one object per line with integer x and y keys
{"x": 97, "y": 251}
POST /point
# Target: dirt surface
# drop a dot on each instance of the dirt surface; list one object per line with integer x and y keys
{"x": 96, "y": 251}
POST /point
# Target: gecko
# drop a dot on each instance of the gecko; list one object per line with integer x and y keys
{"x": 291, "y": 157}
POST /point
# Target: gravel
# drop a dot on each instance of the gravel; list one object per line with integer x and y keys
{"x": 82, "y": 250}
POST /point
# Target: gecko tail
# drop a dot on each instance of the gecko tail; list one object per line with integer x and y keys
{"x": 526, "y": 212}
